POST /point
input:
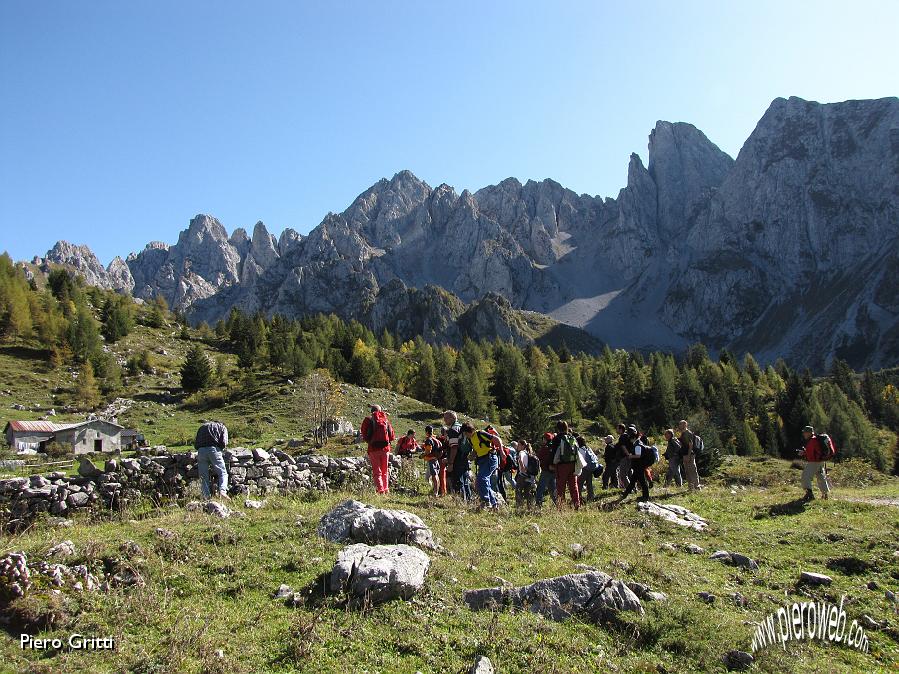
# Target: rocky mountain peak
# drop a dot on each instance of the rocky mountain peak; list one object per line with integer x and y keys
{"x": 685, "y": 166}
{"x": 783, "y": 252}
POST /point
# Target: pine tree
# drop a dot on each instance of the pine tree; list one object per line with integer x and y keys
{"x": 508, "y": 374}
{"x": 83, "y": 334}
{"x": 747, "y": 441}
{"x": 364, "y": 369}
{"x": 196, "y": 372}
{"x": 116, "y": 318}
{"x": 662, "y": 388}
{"x": 158, "y": 310}
{"x": 529, "y": 418}
{"x": 86, "y": 392}
{"x": 425, "y": 381}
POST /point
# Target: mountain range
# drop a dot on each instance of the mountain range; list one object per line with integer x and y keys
{"x": 790, "y": 250}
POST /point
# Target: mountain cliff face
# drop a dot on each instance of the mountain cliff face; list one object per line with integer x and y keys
{"x": 791, "y": 250}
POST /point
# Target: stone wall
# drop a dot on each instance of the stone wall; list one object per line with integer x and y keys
{"x": 169, "y": 475}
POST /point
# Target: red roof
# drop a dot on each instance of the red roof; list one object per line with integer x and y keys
{"x": 37, "y": 426}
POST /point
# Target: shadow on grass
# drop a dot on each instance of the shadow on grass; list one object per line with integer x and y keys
{"x": 794, "y": 507}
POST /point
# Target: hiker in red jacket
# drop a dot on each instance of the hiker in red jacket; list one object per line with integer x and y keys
{"x": 407, "y": 444}
{"x": 816, "y": 450}
{"x": 378, "y": 433}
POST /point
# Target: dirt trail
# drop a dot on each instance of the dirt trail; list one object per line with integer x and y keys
{"x": 875, "y": 501}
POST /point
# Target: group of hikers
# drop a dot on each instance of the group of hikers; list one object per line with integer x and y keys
{"x": 563, "y": 463}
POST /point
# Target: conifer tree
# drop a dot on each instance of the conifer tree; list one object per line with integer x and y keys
{"x": 196, "y": 372}
{"x": 86, "y": 392}
{"x": 529, "y": 418}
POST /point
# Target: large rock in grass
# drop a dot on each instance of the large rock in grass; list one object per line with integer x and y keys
{"x": 594, "y": 595}
{"x": 379, "y": 573}
{"x": 675, "y": 514}
{"x": 734, "y": 559}
{"x": 356, "y": 522}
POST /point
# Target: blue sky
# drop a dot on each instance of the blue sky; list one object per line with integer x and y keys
{"x": 119, "y": 121}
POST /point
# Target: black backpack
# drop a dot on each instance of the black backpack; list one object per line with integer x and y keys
{"x": 533, "y": 467}
{"x": 697, "y": 444}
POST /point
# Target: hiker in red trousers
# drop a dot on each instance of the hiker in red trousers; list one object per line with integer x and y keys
{"x": 378, "y": 433}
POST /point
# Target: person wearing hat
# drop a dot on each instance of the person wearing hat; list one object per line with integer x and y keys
{"x": 815, "y": 455}
{"x": 610, "y": 454}
{"x": 547, "y": 481}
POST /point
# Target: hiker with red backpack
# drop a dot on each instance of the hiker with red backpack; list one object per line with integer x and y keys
{"x": 818, "y": 448}
{"x": 378, "y": 433}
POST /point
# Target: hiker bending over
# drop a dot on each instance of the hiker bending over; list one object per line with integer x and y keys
{"x": 378, "y": 433}
{"x": 818, "y": 449}
{"x": 211, "y": 440}
{"x": 407, "y": 445}
{"x": 484, "y": 445}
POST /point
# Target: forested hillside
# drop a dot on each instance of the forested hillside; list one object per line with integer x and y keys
{"x": 739, "y": 407}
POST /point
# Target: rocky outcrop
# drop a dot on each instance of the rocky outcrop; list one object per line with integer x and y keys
{"x": 352, "y": 521}
{"x": 379, "y": 573}
{"x": 674, "y": 514}
{"x": 81, "y": 260}
{"x": 203, "y": 262}
{"x": 594, "y": 595}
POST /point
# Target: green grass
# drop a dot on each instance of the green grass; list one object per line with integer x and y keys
{"x": 210, "y": 588}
